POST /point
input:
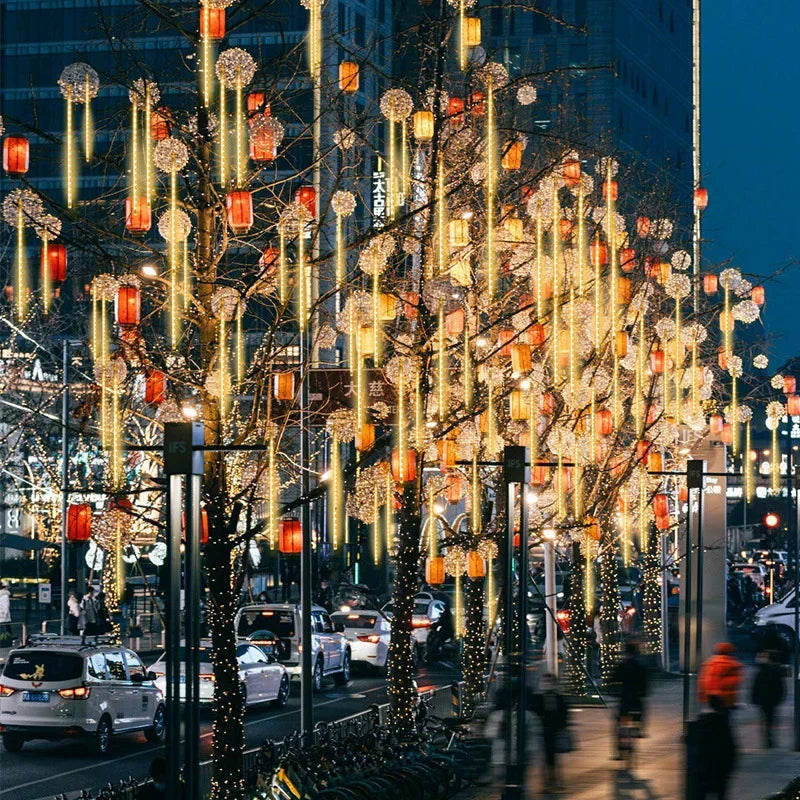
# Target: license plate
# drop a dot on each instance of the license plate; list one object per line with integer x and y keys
{"x": 36, "y": 697}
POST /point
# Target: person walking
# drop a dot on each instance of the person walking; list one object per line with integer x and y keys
{"x": 5, "y": 615}
{"x": 768, "y": 691}
{"x": 551, "y": 708}
{"x": 73, "y": 613}
{"x": 631, "y": 683}
{"x": 89, "y": 615}
{"x": 103, "y": 614}
{"x": 716, "y": 750}
{"x": 720, "y": 676}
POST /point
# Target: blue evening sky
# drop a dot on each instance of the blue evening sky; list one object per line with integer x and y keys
{"x": 751, "y": 151}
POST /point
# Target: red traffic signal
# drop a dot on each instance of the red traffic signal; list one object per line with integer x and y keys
{"x": 771, "y": 520}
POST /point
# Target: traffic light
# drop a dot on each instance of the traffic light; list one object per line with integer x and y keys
{"x": 771, "y": 520}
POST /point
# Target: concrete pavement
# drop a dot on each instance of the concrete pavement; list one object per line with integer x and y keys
{"x": 588, "y": 773}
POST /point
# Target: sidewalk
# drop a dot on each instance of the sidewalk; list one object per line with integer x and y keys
{"x": 588, "y": 773}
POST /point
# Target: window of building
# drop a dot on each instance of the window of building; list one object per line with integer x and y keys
{"x": 512, "y": 23}
{"x": 359, "y": 32}
{"x": 342, "y": 18}
{"x": 580, "y": 12}
{"x": 381, "y": 10}
{"x": 541, "y": 24}
{"x": 496, "y": 21}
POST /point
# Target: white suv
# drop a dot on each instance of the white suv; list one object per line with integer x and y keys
{"x": 330, "y": 651}
{"x": 57, "y": 688}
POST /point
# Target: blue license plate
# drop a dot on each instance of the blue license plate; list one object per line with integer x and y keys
{"x": 36, "y": 697}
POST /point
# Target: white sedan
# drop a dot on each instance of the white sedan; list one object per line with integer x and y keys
{"x": 262, "y": 679}
{"x": 368, "y": 633}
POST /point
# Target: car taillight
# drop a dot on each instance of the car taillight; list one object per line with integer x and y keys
{"x": 420, "y": 623}
{"x": 207, "y": 676}
{"x": 6, "y": 691}
{"x": 562, "y": 617}
{"x": 372, "y": 638}
{"x": 77, "y": 692}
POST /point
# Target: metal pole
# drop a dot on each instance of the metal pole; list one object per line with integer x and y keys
{"x": 192, "y": 635}
{"x": 306, "y": 676}
{"x": 686, "y": 588}
{"x": 522, "y": 611}
{"x": 796, "y": 647}
{"x": 699, "y": 604}
{"x": 173, "y": 636}
{"x": 696, "y": 164}
{"x": 64, "y": 475}
{"x": 551, "y": 603}
{"x": 508, "y": 617}
{"x": 664, "y": 605}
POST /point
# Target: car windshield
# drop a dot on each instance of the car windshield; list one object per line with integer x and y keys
{"x": 360, "y": 621}
{"x": 280, "y": 622}
{"x": 421, "y": 608}
{"x": 42, "y": 665}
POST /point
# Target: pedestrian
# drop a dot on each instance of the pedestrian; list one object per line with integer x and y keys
{"x": 103, "y": 614}
{"x": 73, "y": 612}
{"x": 720, "y": 676}
{"x": 551, "y": 708}
{"x": 263, "y": 597}
{"x": 156, "y": 787}
{"x": 324, "y": 596}
{"x": 716, "y": 750}
{"x": 630, "y": 681}
{"x": 89, "y": 615}
{"x": 768, "y": 691}
{"x": 5, "y": 615}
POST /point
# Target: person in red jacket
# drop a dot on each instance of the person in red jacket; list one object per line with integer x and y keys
{"x": 720, "y": 676}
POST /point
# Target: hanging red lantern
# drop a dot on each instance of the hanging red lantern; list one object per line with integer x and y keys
{"x": 642, "y": 227}
{"x": 283, "y": 386}
{"x": 55, "y": 256}
{"x": 348, "y": 77}
{"x": 453, "y": 487}
{"x": 365, "y": 437}
{"x": 410, "y": 305}
{"x": 269, "y": 259}
{"x": 715, "y": 423}
{"x": 538, "y": 475}
{"x": 434, "y": 570}
{"x": 404, "y": 469}
{"x": 290, "y": 536}
{"x": 477, "y": 102}
{"x": 454, "y": 322}
{"x": 16, "y": 155}
{"x": 642, "y": 449}
{"x": 627, "y": 259}
{"x": 447, "y": 454}
{"x": 789, "y": 384}
{"x": 657, "y": 362}
{"x": 128, "y": 306}
{"x": 155, "y": 387}
{"x": 592, "y": 527}
{"x": 565, "y": 227}
{"x": 476, "y": 565}
{"x": 604, "y": 422}
{"x": 140, "y": 219}
{"x": 651, "y": 268}
{"x": 701, "y": 198}
{"x": 257, "y": 106}
{"x": 79, "y": 522}
{"x": 547, "y": 404}
{"x": 683, "y": 494}
{"x": 722, "y": 357}
{"x": 504, "y": 338}
{"x": 660, "y": 505}
{"x": 203, "y": 525}
{"x": 121, "y": 504}
{"x": 307, "y": 196}
{"x": 726, "y": 437}
{"x": 598, "y": 252}
{"x": 212, "y": 23}
{"x": 262, "y": 145}
{"x": 655, "y": 461}
{"x": 455, "y": 111}
{"x": 610, "y": 190}
{"x": 160, "y": 125}
{"x": 757, "y": 295}
{"x": 537, "y": 334}
{"x": 710, "y": 283}
{"x": 571, "y": 172}
{"x": 240, "y": 210}
{"x": 521, "y": 360}
{"x": 793, "y": 405}
{"x": 664, "y": 523}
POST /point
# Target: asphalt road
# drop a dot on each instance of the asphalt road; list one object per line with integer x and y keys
{"x": 43, "y": 769}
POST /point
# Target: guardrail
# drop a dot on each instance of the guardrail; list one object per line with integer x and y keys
{"x": 446, "y": 701}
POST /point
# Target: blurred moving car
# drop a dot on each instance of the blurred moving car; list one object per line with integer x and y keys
{"x": 427, "y": 610}
{"x": 330, "y": 650}
{"x": 369, "y": 634}
{"x": 757, "y": 572}
{"x": 58, "y": 688}
{"x": 261, "y": 678}
{"x": 781, "y": 615}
